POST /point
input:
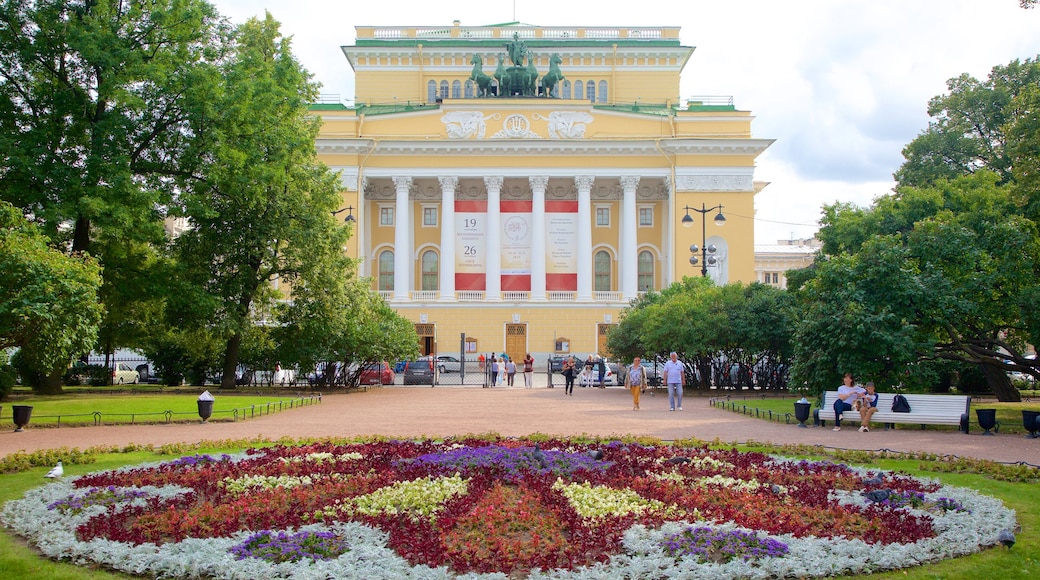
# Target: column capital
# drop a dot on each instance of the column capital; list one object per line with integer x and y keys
{"x": 584, "y": 182}
{"x": 402, "y": 181}
{"x": 494, "y": 181}
{"x": 538, "y": 181}
{"x": 629, "y": 182}
{"x": 448, "y": 182}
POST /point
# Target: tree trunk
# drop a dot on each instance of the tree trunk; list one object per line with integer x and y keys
{"x": 227, "y": 379}
{"x": 51, "y": 384}
{"x": 998, "y": 381}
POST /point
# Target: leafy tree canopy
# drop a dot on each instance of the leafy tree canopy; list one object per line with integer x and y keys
{"x": 970, "y": 130}
{"x": 934, "y": 273}
{"x": 48, "y": 301}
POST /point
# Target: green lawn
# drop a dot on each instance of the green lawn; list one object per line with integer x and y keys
{"x": 1005, "y": 482}
{"x": 79, "y": 409}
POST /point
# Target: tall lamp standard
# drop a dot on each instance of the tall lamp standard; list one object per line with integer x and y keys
{"x": 350, "y": 216}
{"x": 705, "y": 249}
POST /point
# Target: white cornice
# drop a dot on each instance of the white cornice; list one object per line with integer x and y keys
{"x": 497, "y": 147}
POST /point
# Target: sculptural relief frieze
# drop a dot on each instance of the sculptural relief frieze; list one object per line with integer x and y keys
{"x": 714, "y": 183}
{"x": 473, "y": 125}
{"x": 466, "y": 124}
{"x": 516, "y": 126}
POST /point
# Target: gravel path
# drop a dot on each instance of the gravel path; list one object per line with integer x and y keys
{"x": 423, "y": 411}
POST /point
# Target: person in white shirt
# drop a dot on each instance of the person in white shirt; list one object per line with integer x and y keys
{"x": 675, "y": 378}
{"x": 848, "y": 392}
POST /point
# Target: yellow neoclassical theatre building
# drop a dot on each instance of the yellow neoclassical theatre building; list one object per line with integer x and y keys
{"x": 520, "y": 185}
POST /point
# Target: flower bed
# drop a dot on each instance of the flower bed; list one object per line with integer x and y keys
{"x": 503, "y": 508}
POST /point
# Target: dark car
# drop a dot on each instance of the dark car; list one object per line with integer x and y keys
{"x": 377, "y": 374}
{"x": 421, "y": 371}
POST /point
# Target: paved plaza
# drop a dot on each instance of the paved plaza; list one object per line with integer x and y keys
{"x": 441, "y": 411}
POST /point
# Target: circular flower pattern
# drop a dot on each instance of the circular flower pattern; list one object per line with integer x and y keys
{"x": 514, "y": 507}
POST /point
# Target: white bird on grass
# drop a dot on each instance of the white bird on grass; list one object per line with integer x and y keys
{"x": 58, "y": 471}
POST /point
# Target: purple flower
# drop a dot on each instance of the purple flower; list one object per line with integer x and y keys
{"x": 709, "y": 545}
{"x": 280, "y": 547}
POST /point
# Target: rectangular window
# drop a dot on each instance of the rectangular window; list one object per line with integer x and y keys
{"x": 646, "y": 217}
{"x": 602, "y": 217}
{"x": 429, "y": 217}
{"x": 386, "y": 216}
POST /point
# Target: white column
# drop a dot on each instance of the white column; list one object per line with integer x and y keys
{"x": 585, "y": 266}
{"x": 538, "y": 185}
{"x": 448, "y": 186}
{"x": 493, "y": 278}
{"x": 403, "y": 263}
{"x": 629, "y": 259}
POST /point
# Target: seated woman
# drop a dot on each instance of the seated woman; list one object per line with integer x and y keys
{"x": 867, "y": 407}
{"x": 848, "y": 392}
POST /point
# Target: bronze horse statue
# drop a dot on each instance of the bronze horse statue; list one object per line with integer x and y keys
{"x": 477, "y": 75}
{"x": 554, "y": 76}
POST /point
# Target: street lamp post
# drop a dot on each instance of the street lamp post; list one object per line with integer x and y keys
{"x": 350, "y": 216}
{"x": 705, "y": 249}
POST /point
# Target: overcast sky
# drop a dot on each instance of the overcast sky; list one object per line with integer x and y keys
{"x": 841, "y": 85}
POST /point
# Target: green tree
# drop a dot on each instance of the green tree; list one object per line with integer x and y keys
{"x": 48, "y": 301}
{"x": 712, "y": 328}
{"x": 99, "y": 100}
{"x": 346, "y": 323}
{"x": 260, "y": 203}
{"x": 969, "y": 130}
{"x": 924, "y": 287}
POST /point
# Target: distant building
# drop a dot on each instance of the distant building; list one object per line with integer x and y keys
{"x": 773, "y": 261}
{"x": 522, "y": 185}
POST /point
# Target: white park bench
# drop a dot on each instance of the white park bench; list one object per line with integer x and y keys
{"x": 924, "y": 410}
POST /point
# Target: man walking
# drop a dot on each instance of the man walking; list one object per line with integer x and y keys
{"x": 675, "y": 378}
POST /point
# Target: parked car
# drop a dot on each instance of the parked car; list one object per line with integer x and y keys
{"x": 377, "y": 374}
{"x": 654, "y": 372}
{"x": 449, "y": 364}
{"x": 556, "y": 363}
{"x": 421, "y": 371}
{"x": 124, "y": 374}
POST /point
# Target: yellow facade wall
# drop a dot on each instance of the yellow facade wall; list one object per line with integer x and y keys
{"x": 487, "y": 324}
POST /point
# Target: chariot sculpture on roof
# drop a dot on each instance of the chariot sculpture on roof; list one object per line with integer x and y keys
{"x": 520, "y": 79}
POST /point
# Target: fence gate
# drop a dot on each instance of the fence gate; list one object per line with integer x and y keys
{"x": 516, "y": 341}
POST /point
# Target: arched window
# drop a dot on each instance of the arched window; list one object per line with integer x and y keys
{"x": 590, "y": 91}
{"x": 469, "y": 89}
{"x": 646, "y": 271}
{"x": 430, "y": 273}
{"x": 578, "y": 89}
{"x": 386, "y": 270}
{"x": 601, "y": 275}
{"x": 566, "y": 92}
{"x": 456, "y": 90}
{"x": 603, "y": 91}
{"x": 431, "y": 91}
{"x": 444, "y": 89}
